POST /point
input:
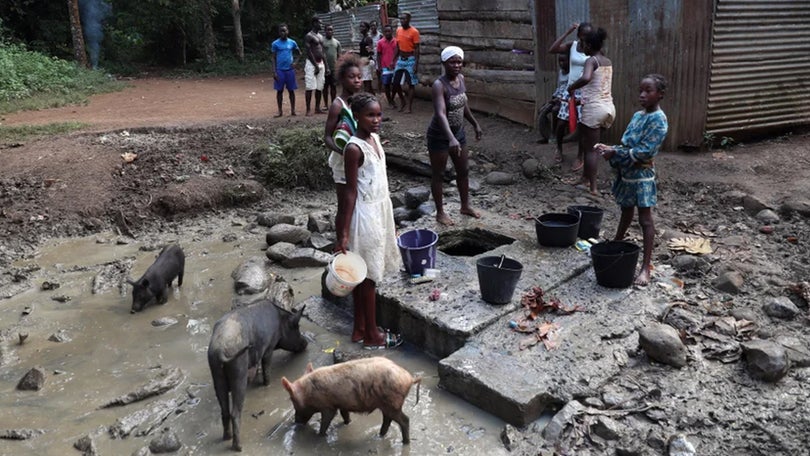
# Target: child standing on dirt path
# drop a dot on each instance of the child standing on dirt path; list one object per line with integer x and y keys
{"x": 283, "y": 72}
{"x": 635, "y": 169}
{"x": 365, "y": 220}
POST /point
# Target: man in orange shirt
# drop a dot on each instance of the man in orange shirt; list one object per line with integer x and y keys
{"x": 407, "y": 61}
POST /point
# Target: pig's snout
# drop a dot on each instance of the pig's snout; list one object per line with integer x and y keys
{"x": 132, "y": 311}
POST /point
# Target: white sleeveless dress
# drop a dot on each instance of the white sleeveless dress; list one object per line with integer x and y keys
{"x": 372, "y": 234}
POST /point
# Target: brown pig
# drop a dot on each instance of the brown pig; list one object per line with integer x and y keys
{"x": 361, "y": 385}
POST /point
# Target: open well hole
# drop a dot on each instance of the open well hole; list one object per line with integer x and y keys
{"x": 471, "y": 242}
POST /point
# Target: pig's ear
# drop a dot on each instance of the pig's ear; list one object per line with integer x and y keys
{"x": 287, "y": 385}
{"x": 309, "y": 368}
{"x": 297, "y": 316}
{"x": 145, "y": 283}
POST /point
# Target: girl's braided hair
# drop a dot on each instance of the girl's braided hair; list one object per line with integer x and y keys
{"x": 360, "y": 100}
{"x": 659, "y": 81}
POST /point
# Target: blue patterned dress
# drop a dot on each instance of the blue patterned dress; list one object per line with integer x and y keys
{"x": 633, "y": 160}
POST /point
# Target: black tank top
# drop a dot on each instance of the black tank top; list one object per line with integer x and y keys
{"x": 455, "y": 100}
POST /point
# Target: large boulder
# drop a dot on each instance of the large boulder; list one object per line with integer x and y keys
{"x": 663, "y": 344}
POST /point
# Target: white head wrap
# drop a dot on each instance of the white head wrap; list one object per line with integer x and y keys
{"x": 450, "y": 51}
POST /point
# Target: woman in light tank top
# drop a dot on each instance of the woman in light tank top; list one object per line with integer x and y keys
{"x": 598, "y": 111}
{"x": 577, "y": 59}
{"x": 445, "y": 134}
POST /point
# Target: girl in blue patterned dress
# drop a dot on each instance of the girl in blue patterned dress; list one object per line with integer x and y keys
{"x": 635, "y": 171}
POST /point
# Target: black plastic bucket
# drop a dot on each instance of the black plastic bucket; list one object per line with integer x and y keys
{"x": 498, "y": 280}
{"x": 614, "y": 263}
{"x": 590, "y": 220}
{"x": 557, "y": 229}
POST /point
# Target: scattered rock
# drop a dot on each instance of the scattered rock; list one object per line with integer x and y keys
{"x": 475, "y": 186}
{"x": 49, "y": 286}
{"x": 682, "y": 319}
{"x": 426, "y": 209}
{"x": 766, "y": 229}
{"x": 60, "y": 336}
{"x": 166, "y": 442}
{"x": 61, "y": 298}
{"x": 20, "y": 434}
{"x": 744, "y": 314}
{"x": 679, "y": 446}
{"x": 306, "y": 257}
{"x": 230, "y": 237}
{"x": 607, "y": 428}
{"x": 270, "y": 219}
{"x": 86, "y": 445}
{"x": 320, "y": 222}
{"x": 510, "y": 436}
{"x": 144, "y": 421}
{"x": 164, "y": 321}
{"x": 34, "y": 380}
{"x": 753, "y": 205}
{"x": 689, "y": 263}
{"x": 416, "y": 196}
{"x": 280, "y": 251}
{"x": 397, "y": 199}
{"x": 797, "y": 206}
{"x": 781, "y": 307}
{"x": 734, "y": 197}
{"x": 663, "y": 344}
{"x": 325, "y": 242}
{"x": 530, "y": 168}
{"x": 250, "y": 277}
{"x": 142, "y": 451}
{"x": 499, "y": 178}
{"x": 796, "y": 349}
{"x": 767, "y": 216}
{"x": 554, "y": 429}
{"x": 165, "y": 380}
{"x": 402, "y": 214}
{"x": 729, "y": 282}
{"x": 284, "y": 232}
{"x": 766, "y": 360}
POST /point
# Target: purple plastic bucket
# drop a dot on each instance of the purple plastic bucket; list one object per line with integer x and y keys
{"x": 418, "y": 250}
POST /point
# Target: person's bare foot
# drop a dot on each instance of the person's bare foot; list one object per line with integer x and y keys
{"x": 643, "y": 278}
{"x": 577, "y": 166}
{"x": 559, "y": 157}
{"x": 309, "y": 114}
{"x": 402, "y": 108}
{"x": 318, "y": 111}
{"x": 470, "y": 211}
{"x": 278, "y": 114}
{"x": 444, "y": 219}
{"x": 293, "y": 114}
{"x": 575, "y": 181}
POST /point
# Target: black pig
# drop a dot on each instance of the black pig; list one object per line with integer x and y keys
{"x": 151, "y": 287}
{"x": 240, "y": 340}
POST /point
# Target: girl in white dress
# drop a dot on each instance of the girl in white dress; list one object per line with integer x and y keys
{"x": 365, "y": 219}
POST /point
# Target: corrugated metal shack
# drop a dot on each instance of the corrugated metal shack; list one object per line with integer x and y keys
{"x": 347, "y": 23}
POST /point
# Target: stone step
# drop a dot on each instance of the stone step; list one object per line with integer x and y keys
{"x": 491, "y": 372}
{"x": 441, "y": 327}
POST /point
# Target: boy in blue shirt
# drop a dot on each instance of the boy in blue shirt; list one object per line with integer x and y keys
{"x": 283, "y": 72}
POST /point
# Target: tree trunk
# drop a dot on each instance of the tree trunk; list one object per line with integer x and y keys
{"x": 239, "y": 44}
{"x": 79, "y": 52}
{"x": 208, "y": 31}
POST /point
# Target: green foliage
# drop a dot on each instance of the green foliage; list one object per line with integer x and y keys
{"x": 10, "y": 134}
{"x": 226, "y": 65}
{"x": 294, "y": 158}
{"x": 30, "y": 80}
{"x": 710, "y": 140}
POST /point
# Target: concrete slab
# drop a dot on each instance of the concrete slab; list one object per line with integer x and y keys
{"x": 491, "y": 372}
{"x": 443, "y": 326}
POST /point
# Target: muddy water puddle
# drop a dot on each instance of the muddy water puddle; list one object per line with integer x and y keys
{"x": 112, "y": 352}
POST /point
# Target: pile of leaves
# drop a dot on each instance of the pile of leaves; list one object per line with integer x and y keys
{"x": 295, "y": 157}
{"x": 535, "y": 304}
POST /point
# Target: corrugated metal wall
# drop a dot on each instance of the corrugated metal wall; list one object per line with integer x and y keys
{"x": 671, "y": 37}
{"x": 347, "y": 23}
{"x": 760, "y": 65}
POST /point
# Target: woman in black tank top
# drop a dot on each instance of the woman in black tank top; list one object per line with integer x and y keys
{"x": 445, "y": 134}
